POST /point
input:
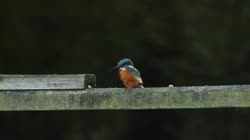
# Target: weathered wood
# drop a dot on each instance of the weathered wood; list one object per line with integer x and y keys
{"x": 36, "y": 82}
{"x": 117, "y": 98}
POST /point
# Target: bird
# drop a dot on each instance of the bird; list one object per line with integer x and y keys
{"x": 128, "y": 74}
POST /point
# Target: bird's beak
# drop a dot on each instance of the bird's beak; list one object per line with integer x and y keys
{"x": 115, "y": 68}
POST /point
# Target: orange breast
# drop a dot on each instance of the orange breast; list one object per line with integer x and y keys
{"x": 128, "y": 79}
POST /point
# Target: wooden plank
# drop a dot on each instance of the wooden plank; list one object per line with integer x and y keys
{"x": 37, "y": 82}
{"x": 120, "y": 98}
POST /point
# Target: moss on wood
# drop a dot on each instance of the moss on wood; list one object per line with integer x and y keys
{"x": 119, "y": 98}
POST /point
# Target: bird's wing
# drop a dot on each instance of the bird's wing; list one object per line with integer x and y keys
{"x": 135, "y": 72}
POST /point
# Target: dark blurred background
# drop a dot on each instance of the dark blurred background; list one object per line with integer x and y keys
{"x": 180, "y": 42}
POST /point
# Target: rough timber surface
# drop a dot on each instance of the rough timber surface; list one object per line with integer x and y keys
{"x": 39, "y": 82}
{"x": 122, "y": 99}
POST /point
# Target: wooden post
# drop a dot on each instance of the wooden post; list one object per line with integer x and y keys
{"x": 120, "y": 99}
{"x": 48, "y": 82}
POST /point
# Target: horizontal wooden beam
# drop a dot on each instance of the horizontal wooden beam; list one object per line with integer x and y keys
{"x": 36, "y": 82}
{"x": 120, "y": 99}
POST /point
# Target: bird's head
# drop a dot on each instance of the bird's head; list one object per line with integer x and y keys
{"x": 123, "y": 62}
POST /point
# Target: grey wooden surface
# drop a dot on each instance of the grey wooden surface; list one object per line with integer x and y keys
{"x": 37, "y": 82}
{"x": 121, "y": 99}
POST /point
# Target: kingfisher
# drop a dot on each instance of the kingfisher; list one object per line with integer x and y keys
{"x": 128, "y": 74}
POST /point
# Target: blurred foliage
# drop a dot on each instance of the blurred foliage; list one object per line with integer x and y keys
{"x": 185, "y": 43}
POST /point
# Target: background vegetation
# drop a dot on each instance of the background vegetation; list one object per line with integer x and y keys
{"x": 180, "y": 42}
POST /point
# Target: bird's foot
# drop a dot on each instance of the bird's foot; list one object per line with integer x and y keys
{"x": 128, "y": 90}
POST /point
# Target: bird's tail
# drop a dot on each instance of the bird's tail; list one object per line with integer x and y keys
{"x": 141, "y": 86}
